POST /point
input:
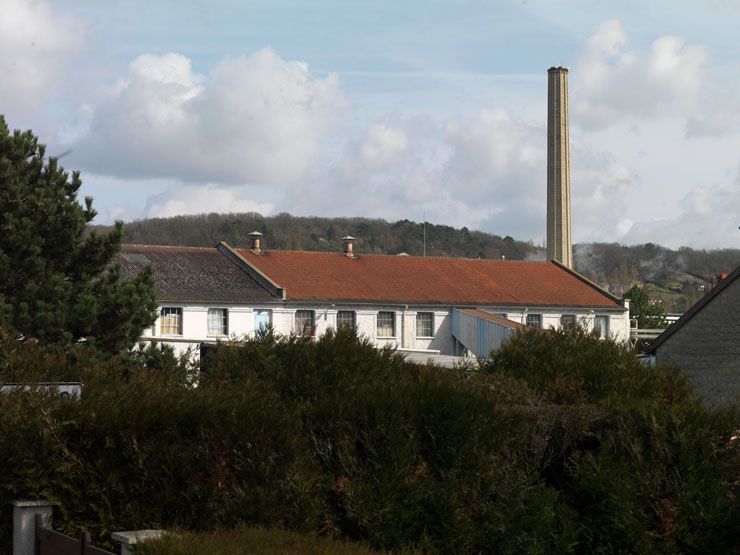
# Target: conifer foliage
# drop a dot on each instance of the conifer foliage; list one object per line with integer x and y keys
{"x": 58, "y": 283}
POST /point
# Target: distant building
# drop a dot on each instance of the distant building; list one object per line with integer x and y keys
{"x": 405, "y": 302}
{"x": 705, "y": 343}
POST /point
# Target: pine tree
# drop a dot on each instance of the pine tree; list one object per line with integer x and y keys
{"x": 59, "y": 283}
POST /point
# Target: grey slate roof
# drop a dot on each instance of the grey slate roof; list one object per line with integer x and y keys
{"x": 689, "y": 314}
{"x": 199, "y": 274}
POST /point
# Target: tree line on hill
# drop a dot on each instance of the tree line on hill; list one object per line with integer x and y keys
{"x": 682, "y": 273}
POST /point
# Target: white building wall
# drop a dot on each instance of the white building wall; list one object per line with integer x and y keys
{"x": 241, "y": 323}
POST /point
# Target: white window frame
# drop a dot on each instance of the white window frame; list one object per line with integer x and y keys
{"x": 531, "y": 325}
{"x": 257, "y": 312}
{"x": 602, "y": 331}
{"x": 430, "y": 322}
{"x": 308, "y": 318}
{"x": 352, "y": 313}
{"x": 571, "y": 324}
{"x": 169, "y": 312}
{"x": 224, "y": 322}
{"x": 393, "y": 323}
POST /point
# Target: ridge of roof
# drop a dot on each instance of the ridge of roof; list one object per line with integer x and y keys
{"x": 267, "y": 252}
{"x": 696, "y": 307}
{"x": 165, "y": 247}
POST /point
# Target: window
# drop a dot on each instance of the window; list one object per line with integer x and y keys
{"x": 218, "y": 321}
{"x": 534, "y": 321}
{"x": 424, "y": 324}
{"x": 568, "y": 321}
{"x": 386, "y": 324}
{"x": 170, "y": 320}
{"x": 601, "y": 326}
{"x": 346, "y": 318}
{"x": 305, "y": 323}
{"x": 262, "y": 320}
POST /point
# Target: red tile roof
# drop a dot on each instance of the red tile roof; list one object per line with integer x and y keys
{"x": 323, "y": 276}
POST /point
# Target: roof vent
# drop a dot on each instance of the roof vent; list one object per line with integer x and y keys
{"x": 255, "y": 239}
{"x": 347, "y": 240}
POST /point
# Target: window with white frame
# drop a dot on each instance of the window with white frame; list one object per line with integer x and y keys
{"x": 170, "y": 320}
{"x": 305, "y": 323}
{"x": 386, "y": 324}
{"x": 601, "y": 325}
{"x": 262, "y": 320}
{"x": 534, "y": 321}
{"x": 346, "y": 318}
{"x": 218, "y": 321}
{"x": 424, "y": 324}
{"x": 568, "y": 321}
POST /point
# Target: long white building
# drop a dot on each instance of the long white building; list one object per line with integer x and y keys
{"x": 426, "y": 305}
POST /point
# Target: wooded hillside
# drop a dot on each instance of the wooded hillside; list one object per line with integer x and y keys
{"x": 676, "y": 277}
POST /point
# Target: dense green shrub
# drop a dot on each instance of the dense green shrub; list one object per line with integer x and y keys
{"x": 560, "y": 443}
{"x": 657, "y": 471}
{"x": 141, "y": 450}
{"x": 572, "y": 366}
{"x": 250, "y": 540}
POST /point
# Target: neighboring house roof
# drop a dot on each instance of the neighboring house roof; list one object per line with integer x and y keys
{"x": 495, "y": 318}
{"x": 324, "y": 276}
{"x": 192, "y": 274}
{"x": 689, "y": 314}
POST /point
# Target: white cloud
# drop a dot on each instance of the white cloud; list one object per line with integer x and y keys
{"x": 381, "y": 145}
{"x": 614, "y": 83}
{"x": 708, "y": 218}
{"x": 190, "y": 199}
{"x": 486, "y": 172}
{"x": 253, "y": 119}
{"x": 717, "y": 113}
{"x": 35, "y": 46}
{"x": 601, "y": 189}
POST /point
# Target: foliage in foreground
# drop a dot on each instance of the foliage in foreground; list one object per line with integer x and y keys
{"x": 558, "y": 444}
{"x": 250, "y": 540}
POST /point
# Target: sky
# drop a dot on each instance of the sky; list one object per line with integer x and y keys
{"x": 420, "y": 110}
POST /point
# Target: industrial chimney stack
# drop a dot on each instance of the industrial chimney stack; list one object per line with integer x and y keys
{"x": 559, "y": 245}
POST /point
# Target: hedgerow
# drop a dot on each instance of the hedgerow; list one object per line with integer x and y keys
{"x": 560, "y": 443}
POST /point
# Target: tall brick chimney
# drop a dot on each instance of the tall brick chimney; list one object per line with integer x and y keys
{"x": 559, "y": 245}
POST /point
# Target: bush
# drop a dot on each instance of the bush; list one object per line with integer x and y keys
{"x": 572, "y": 366}
{"x": 249, "y": 540}
{"x": 560, "y": 443}
{"x": 138, "y": 450}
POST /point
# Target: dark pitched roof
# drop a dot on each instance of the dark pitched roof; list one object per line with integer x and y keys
{"x": 324, "y": 276}
{"x": 689, "y": 314}
{"x": 192, "y": 274}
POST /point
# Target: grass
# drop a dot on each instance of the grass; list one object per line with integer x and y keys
{"x": 250, "y": 540}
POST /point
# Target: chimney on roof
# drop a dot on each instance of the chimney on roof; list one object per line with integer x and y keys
{"x": 721, "y": 277}
{"x": 255, "y": 239}
{"x": 347, "y": 240}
